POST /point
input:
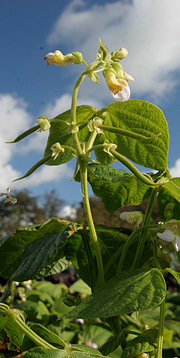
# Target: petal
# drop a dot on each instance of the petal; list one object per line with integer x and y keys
{"x": 167, "y": 235}
{"x": 123, "y": 95}
{"x": 177, "y": 243}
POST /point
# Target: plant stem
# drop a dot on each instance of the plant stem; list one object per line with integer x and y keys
{"x": 161, "y": 330}
{"x": 146, "y": 222}
{"x": 85, "y": 196}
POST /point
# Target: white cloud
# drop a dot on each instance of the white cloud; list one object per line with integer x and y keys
{"x": 14, "y": 120}
{"x": 175, "y": 171}
{"x": 150, "y": 30}
{"x": 58, "y": 106}
{"x": 67, "y": 211}
{"x": 44, "y": 175}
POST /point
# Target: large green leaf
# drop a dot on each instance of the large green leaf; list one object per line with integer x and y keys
{"x": 74, "y": 351}
{"x": 43, "y": 254}
{"x": 142, "y": 118}
{"x": 59, "y": 133}
{"x": 116, "y": 188}
{"x": 11, "y": 247}
{"x": 130, "y": 291}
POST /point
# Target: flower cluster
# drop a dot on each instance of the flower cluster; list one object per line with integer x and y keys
{"x": 116, "y": 78}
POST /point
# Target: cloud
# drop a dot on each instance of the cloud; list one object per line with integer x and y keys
{"x": 44, "y": 175}
{"x": 68, "y": 211}
{"x": 14, "y": 120}
{"x": 58, "y": 106}
{"x": 175, "y": 171}
{"x": 149, "y": 29}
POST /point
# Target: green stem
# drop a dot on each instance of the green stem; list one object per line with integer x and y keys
{"x": 161, "y": 330}
{"x": 32, "y": 335}
{"x": 126, "y": 133}
{"x": 146, "y": 222}
{"x": 133, "y": 169}
{"x": 84, "y": 190}
{"x": 73, "y": 112}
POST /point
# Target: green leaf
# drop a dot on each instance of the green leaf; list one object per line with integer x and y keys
{"x": 130, "y": 291}
{"x": 142, "y": 118}
{"x": 41, "y": 255}
{"x": 145, "y": 342}
{"x": 74, "y": 351}
{"x": 116, "y": 188}
{"x": 13, "y": 333}
{"x": 59, "y": 133}
{"x": 11, "y": 247}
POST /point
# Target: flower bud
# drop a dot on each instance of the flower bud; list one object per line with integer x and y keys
{"x": 118, "y": 55}
{"x": 43, "y": 123}
{"x": 58, "y": 59}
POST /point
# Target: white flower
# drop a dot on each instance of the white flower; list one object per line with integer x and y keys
{"x": 122, "y": 95}
{"x": 132, "y": 217}
{"x": 43, "y": 123}
{"x": 169, "y": 236}
{"x": 56, "y": 149}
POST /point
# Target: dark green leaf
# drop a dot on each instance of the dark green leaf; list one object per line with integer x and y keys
{"x": 44, "y": 253}
{"x": 59, "y": 133}
{"x": 116, "y": 188}
{"x": 142, "y": 118}
{"x": 130, "y": 291}
{"x": 11, "y": 247}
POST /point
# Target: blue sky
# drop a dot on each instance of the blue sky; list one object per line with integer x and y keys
{"x": 150, "y": 30}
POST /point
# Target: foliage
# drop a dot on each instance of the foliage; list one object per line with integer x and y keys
{"x": 122, "y": 269}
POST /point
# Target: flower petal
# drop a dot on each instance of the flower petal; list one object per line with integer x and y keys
{"x": 122, "y": 95}
{"x": 167, "y": 235}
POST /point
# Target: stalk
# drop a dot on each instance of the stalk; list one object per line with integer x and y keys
{"x": 161, "y": 330}
{"x": 83, "y": 161}
{"x": 146, "y": 222}
{"x": 85, "y": 196}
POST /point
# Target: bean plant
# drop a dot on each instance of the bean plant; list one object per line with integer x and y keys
{"x": 124, "y": 269}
